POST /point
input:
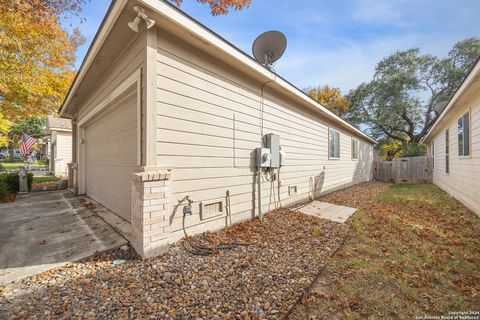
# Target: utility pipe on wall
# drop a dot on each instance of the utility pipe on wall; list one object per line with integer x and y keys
{"x": 260, "y": 213}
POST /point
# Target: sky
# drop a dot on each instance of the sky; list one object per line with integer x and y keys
{"x": 333, "y": 42}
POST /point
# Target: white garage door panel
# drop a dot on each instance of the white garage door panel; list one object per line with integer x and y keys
{"x": 110, "y": 155}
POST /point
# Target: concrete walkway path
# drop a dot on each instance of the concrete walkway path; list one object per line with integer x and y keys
{"x": 327, "y": 210}
{"x": 42, "y": 230}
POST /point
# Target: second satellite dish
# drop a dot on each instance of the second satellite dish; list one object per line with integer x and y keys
{"x": 269, "y": 47}
{"x": 438, "y": 108}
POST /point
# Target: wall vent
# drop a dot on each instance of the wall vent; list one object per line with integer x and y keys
{"x": 292, "y": 190}
{"x": 210, "y": 209}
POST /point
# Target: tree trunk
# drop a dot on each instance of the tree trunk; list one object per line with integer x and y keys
{"x": 10, "y": 151}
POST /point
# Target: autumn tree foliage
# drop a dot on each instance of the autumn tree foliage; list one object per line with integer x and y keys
{"x": 219, "y": 7}
{"x": 37, "y": 56}
{"x": 329, "y": 97}
{"x": 5, "y": 126}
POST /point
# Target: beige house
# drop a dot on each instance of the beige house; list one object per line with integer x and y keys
{"x": 454, "y": 143}
{"x": 174, "y": 113}
{"x": 58, "y": 137}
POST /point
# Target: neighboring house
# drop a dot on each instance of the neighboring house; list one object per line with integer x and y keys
{"x": 58, "y": 137}
{"x": 180, "y": 108}
{"x": 454, "y": 143}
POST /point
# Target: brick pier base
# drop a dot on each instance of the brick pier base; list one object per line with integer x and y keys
{"x": 151, "y": 210}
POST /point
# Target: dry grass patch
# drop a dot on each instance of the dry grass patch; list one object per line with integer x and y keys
{"x": 357, "y": 195}
{"x": 413, "y": 251}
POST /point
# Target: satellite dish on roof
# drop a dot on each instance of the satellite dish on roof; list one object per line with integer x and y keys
{"x": 440, "y": 106}
{"x": 269, "y": 47}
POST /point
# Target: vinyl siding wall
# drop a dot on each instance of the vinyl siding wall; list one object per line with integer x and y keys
{"x": 463, "y": 180}
{"x": 209, "y": 126}
{"x": 63, "y": 156}
{"x": 126, "y": 64}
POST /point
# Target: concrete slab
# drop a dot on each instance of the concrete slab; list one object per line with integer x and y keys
{"x": 43, "y": 230}
{"x": 115, "y": 221}
{"x": 327, "y": 210}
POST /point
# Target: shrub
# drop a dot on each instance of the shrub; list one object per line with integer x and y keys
{"x": 393, "y": 150}
{"x": 12, "y": 181}
{"x": 414, "y": 150}
{"x": 3, "y": 186}
{"x": 390, "y": 151}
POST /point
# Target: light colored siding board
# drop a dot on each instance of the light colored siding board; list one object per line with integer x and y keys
{"x": 127, "y": 62}
{"x": 206, "y": 68}
{"x": 63, "y": 144}
{"x": 463, "y": 181}
{"x": 212, "y": 94}
{"x": 211, "y": 153}
{"x": 132, "y": 58}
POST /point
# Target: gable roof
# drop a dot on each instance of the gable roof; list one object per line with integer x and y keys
{"x": 473, "y": 74}
{"x": 199, "y": 31}
{"x": 54, "y": 123}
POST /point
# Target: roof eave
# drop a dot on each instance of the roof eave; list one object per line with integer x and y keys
{"x": 474, "y": 72}
{"x": 179, "y": 17}
{"x": 108, "y": 21}
{"x": 59, "y": 129}
{"x": 172, "y": 13}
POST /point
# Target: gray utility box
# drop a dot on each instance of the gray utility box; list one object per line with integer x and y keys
{"x": 263, "y": 157}
{"x": 273, "y": 143}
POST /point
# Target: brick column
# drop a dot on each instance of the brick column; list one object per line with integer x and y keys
{"x": 151, "y": 212}
{"x": 72, "y": 176}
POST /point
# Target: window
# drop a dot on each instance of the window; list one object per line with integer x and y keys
{"x": 464, "y": 135}
{"x": 447, "y": 157}
{"x": 432, "y": 146}
{"x": 333, "y": 144}
{"x": 354, "y": 149}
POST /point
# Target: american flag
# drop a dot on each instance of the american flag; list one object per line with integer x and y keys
{"x": 27, "y": 143}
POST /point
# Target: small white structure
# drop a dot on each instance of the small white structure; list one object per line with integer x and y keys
{"x": 173, "y": 113}
{"x": 59, "y": 145}
{"x": 454, "y": 143}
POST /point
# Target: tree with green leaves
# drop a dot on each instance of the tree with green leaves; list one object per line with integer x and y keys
{"x": 34, "y": 127}
{"x": 408, "y": 90}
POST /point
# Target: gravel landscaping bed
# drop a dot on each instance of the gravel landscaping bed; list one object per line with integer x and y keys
{"x": 260, "y": 281}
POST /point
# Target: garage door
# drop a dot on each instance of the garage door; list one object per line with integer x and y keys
{"x": 110, "y": 155}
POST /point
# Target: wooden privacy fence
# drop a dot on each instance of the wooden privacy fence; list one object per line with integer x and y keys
{"x": 404, "y": 170}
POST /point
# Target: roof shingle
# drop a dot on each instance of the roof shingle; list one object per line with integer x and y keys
{"x": 58, "y": 123}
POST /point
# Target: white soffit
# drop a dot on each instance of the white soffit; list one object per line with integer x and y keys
{"x": 474, "y": 72}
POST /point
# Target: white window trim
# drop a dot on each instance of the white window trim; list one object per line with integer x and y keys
{"x": 446, "y": 133}
{"x": 357, "y": 142}
{"x": 432, "y": 153}
{"x": 469, "y": 135}
{"x": 133, "y": 81}
{"x": 328, "y": 150}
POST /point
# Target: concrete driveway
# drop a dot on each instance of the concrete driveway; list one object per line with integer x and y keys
{"x": 43, "y": 230}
